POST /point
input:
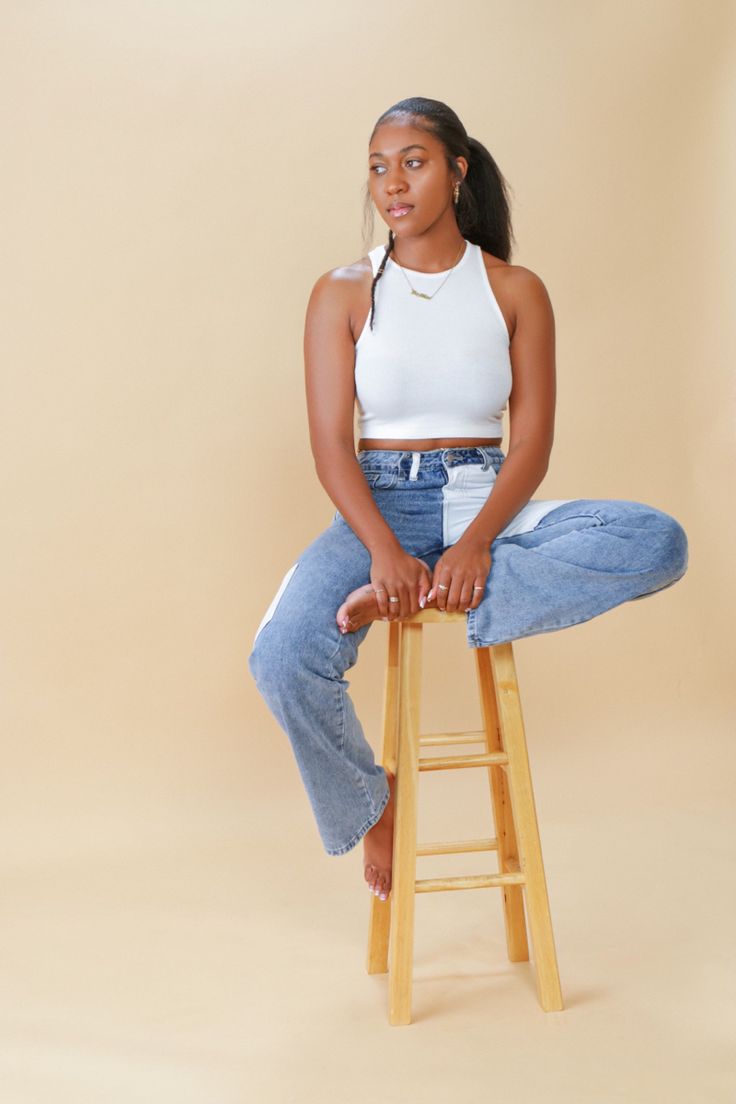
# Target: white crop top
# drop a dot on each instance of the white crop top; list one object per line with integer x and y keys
{"x": 433, "y": 368}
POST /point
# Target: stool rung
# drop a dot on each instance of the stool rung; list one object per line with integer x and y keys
{"x": 468, "y": 881}
{"x": 428, "y": 738}
{"x": 445, "y": 762}
{"x": 457, "y": 847}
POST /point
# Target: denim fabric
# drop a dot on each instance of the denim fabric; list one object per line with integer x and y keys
{"x": 557, "y": 563}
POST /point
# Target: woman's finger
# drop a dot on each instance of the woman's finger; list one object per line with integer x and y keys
{"x": 443, "y": 589}
{"x": 425, "y": 584}
{"x": 381, "y": 598}
{"x": 454, "y": 595}
{"x": 478, "y": 592}
{"x": 466, "y": 595}
{"x": 404, "y": 604}
{"x": 395, "y": 609}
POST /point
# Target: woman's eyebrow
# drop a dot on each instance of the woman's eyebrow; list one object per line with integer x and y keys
{"x": 403, "y": 149}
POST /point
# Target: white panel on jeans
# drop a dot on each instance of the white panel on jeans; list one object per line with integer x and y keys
{"x": 467, "y": 491}
{"x": 276, "y": 598}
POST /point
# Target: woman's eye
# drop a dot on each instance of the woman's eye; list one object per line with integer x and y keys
{"x": 411, "y": 161}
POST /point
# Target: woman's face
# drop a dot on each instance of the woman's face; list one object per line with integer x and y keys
{"x": 407, "y": 166}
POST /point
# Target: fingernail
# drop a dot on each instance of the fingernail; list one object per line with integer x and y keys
{"x": 430, "y": 596}
{"x": 422, "y": 602}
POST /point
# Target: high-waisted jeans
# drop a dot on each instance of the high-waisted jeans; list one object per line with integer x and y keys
{"x": 557, "y": 563}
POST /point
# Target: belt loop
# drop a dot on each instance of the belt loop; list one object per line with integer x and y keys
{"x": 415, "y": 458}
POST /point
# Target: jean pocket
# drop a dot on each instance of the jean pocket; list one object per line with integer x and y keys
{"x": 473, "y": 477}
{"x": 381, "y": 479}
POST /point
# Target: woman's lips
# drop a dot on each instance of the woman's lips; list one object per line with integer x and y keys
{"x": 400, "y": 211}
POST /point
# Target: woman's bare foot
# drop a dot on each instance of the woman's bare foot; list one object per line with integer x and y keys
{"x": 378, "y": 847}
{"x": 361, "y": 607}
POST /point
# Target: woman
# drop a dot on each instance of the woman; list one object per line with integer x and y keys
{"x": 428, "y": 334}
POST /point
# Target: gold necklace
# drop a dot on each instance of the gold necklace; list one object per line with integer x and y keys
{"x": 421, "y": 294}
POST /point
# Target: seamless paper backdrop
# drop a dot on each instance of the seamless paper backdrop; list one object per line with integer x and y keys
{"x": 175, "y": 181}
{"x": 176, "y": 176}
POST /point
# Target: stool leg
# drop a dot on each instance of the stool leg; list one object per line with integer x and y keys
{"x": 525, "y": 819}
{"x": 380, "y": 911}
{"x": 403, "y": 876}
{"x": 508, "y": 849}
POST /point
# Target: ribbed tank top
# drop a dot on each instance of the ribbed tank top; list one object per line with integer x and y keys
{"x": 433, "y": 368}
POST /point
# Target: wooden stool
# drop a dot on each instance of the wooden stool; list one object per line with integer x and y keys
{"x": 517, "y": 842}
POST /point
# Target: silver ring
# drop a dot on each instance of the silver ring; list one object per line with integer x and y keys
{"x": 479, "y": 588}
{"x": 441, "y": 587}
{"x": 380, "y": 590}
{"x": 393, "y": 599}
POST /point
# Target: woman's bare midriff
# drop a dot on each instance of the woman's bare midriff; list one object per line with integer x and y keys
{"x": 426, "y": 444}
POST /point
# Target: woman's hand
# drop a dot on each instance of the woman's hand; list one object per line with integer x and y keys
{"x": 394, "y": 573}
{"x": 461, "y": 568}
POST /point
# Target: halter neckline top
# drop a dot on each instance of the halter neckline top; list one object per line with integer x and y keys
{"x": 437, "y": 367}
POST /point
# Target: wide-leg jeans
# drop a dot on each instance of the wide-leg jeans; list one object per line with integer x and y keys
{"x": 557, "y": 563}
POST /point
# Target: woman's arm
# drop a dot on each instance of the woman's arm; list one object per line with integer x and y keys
{"x": 531, "y": 408}
{"x": 329, "y": 359}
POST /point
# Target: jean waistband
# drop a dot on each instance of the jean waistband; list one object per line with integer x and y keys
{"x": 431, "y": 458}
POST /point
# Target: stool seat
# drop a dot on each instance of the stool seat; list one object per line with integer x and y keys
{"x": 520, "y": 875}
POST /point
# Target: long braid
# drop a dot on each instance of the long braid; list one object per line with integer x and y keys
{"x": 379, "y": 274}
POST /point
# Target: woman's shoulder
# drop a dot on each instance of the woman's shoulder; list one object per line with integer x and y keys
{"x": 516, "y": 287}
{"x": 514, "y": 274}
{"x": 340, "y": 291}
{"x": 351, "y": 273}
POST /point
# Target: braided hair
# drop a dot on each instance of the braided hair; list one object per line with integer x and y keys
{"x": 482, "y": 212}
{"x": 379, "y": 273}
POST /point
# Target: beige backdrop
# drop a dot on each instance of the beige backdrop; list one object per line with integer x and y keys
{"x": 176, "y": 175}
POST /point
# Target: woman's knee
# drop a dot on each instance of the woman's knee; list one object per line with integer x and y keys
{"x": 664, "y": 536}
{"x": 298, "y": 645}
{"x": 674, "y": 550}
{"x": 285, "y": 647}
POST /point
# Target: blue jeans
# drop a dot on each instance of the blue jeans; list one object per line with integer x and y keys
{"x": 558, "y": 562}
